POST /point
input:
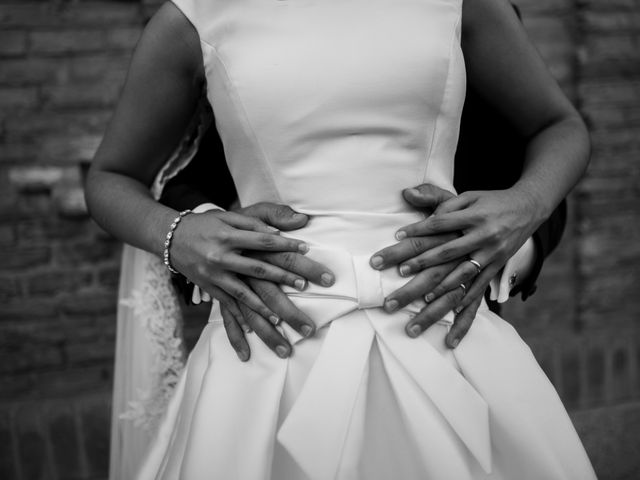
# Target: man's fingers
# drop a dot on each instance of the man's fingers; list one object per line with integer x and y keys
{"x": 418, "y": 286}
{"x": 434, "y": 312}
{"x": 241, "y": 293}
{"x": 279, "y": 216}
{"x": 408, "y": 248}
{"x": 462, "y": 323}
{"x": 278, "y": 301}
{"x": 235, "y": 334}
{"x": 426, "y": 196}
{"x": 267, "y": 332}
{"x": 244, "y": 222}
{"x": 299, "y": 264}
{"x": 454, "y": 204}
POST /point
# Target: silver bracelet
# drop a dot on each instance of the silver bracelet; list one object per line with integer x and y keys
{"x": 169, "y": 237}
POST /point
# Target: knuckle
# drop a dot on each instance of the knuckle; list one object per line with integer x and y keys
{"x": 240, "y": 294}
{"x": 447, "y": 253}
{"x": 267, "y": 241}
{"x": 213, "y": 257}
{"x": 417, "y": 245}
{"x": 259, "y": 271}
{"x": 224, "y": 236}
{"x": 289, "y": 260}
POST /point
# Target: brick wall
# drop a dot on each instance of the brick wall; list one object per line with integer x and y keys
{"x": 62, "y": 64}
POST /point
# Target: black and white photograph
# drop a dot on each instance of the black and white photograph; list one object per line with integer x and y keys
{"x": 320, "y": 239}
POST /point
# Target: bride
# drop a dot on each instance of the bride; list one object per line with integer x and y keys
{"x": 311, "y": 99}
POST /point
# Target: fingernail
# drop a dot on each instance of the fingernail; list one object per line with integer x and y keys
{"x": 272, "y": 229}
{"x": 327, "y": 279}
{"x": 247, "y": 328}
{"x": 414, "y": 191}
{"x": 405, "y": 270}
{"x": 458, "y": 309}
{"x": 400, "y": 234}
{"x": 307, "y": 331}
{"x": 274, "y": 319}
{"x": 429, "y": 297}
{"x": 455, "y": 342}
{"x": 391, "y": 305}
{"x": 303, "y": 248}
{"x": 414, "y": 330}
{"x": 282, "y": 351}
{"x": 243, "y": 356}
{"x": 377, "y": 261}
{"x": 298, "y": 216}
{"x": 300, "y": 284}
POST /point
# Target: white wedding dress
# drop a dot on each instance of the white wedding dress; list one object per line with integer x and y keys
{"x": 333, "y": 107}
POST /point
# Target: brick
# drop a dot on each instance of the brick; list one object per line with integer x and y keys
{"x": 70, "y": 202}
{"x": 36, "y": 178}
{"x": 109, "y": 276}
{"x": 9, "y": 288}
{"x": 12, "y": 42}
{"x": 63, "y": 42}
{"x": 18, "y": 98}
{"x": 19, "y": 310}
{"x": 87, "y": 252}
{"x": 61, "y": 125}
{"x": 614, "y": 21}
{"x": 90, "y": 95}
{"x": 32, "y": 71}
{"x": 69, "y": 149}
{"x": 123, "y": 38}
{"x": 621, "y": 380}
{"x": 91, "y": 303}
{"x": 25, "y": 257}
{"x": 54, "y": 282}
{"x": 47, "y": 229}
{"x": 111, "y": 66}
{"x": 7, "y": 235}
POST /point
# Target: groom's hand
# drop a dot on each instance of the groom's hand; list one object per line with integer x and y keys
{"x": 427, "y": 281}
{"x": 240, "y": 320}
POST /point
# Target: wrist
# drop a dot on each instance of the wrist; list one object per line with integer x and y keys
{"x": 539, "y": 206}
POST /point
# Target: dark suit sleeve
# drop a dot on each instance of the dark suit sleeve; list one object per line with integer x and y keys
{"x": 205, "y": 180}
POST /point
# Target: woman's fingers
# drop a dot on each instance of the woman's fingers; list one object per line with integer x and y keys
{"x": 423, "y": 283}
{"x": 235, "y": 334}
{"x": 438, "y": 223}
{"x": 408, "y": 248}
{"x": 480, "y": 284}
{"x": 270, "y": 242}
{"x": 245, "y": 296}
{"x": 267, "y": 332}
{"x": 294, "y": 262}
{"x": 250, "y": 267}
{"x": 462, "y": 323}
{"x": 454, "y": 250}
{"x": 434, "y": 312}
{"x": 279, "y": 302}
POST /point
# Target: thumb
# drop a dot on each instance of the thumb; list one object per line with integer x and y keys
{"x": 283, "y": 217}
{"x": 426, "y": 196}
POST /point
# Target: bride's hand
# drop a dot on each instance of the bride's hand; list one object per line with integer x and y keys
{"x": 494, "y": 225}
{"x": 239, "y": 321}
{"x": 207, "y": 249}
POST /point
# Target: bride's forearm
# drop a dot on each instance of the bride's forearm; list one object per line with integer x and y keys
{"x": 125, "y": 208}
{"x": 556, "y": 159}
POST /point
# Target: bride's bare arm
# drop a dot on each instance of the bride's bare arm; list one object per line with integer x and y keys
{"x": 162, "y": 89}
{"x": 504, "y": 68}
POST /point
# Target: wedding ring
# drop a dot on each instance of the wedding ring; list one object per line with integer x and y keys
{"x": 464, "y": 289}
{"x": 475, "y": 264}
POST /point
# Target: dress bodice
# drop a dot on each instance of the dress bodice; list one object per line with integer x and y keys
{"x": 333, "y": 105}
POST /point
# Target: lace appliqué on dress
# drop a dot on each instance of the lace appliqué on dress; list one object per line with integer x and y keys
{"x": 157, "y": 307}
